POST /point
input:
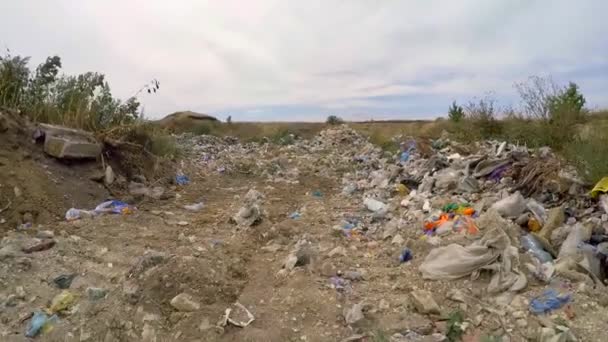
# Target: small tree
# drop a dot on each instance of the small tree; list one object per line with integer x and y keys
{"x": 334, "y": 120}
{"x": 229, "y": 119}
{"x": 455, "y": 113}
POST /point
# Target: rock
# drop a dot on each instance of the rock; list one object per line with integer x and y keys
{"x": 64, "y": 147}
{"x": 353, "y": 275}
{"x": 397, "y": 240}
{"x": 184, "y": 302}
{"x": 374, "y": 205}
{"x": 423, "y": 302}
{"x": 38, "y": 246}
{"x": 20, "y": 292}
{"x": 149, "y": 259}
{"x": 354, "y": 314}
{"x": 290, "y": 262}
{"x": 96, "y": 293}
{"x": 328, "y": 269}
{"x": 11, "y": 300}
{"x": 511, "y": 206}
{"x": 109, "y": 175}
{"x": 337, "y": 251}
{"x": 45, "y": 234}
{"x": 456, "y": 295}
{"x": 8, "y": 252}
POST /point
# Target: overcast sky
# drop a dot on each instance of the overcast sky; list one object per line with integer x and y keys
{"x": 304, "y": 60}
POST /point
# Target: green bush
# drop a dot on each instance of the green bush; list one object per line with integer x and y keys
{"x": 455, "y": 112}
{"x": 81, "y": 101}
{"x": 481, "y": 117}
{"x": 334, "y": 120}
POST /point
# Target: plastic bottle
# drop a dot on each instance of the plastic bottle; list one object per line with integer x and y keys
{"x": 531, "y": 244}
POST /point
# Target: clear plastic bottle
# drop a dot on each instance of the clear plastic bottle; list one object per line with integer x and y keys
{"x": 531, "y": 244}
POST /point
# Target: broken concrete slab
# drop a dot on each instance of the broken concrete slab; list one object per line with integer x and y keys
{"x": 71, "y": 148}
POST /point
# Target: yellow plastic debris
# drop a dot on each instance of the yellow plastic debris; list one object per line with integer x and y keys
{"x": 62, "y": 302}
{"x": 402, "y": 189}
{"x": 534, "y": 225}
{"x": 600, "y": 187}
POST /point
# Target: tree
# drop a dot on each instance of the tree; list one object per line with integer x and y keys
{"x": 334, "y": 120}
{"x": 455, "y": 113}
{"x": 229, "y": 119}
{"x": 14, "y": 75}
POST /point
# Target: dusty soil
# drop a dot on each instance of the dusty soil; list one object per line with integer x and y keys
{"x": 145, "y": 259}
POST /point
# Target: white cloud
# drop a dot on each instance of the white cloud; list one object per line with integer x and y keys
{"x": 213, "y": 56}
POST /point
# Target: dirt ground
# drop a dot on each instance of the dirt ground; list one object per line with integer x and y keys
{"x": 145, "y": 259}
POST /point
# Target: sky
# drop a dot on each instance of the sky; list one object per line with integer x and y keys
{"x": 292, "y": 60}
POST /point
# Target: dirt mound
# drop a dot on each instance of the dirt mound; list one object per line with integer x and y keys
{"x": 35, "y": 188}
{"x": 185, "y": 119}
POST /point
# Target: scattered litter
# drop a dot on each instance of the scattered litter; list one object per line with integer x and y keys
{"x": 181, "y": 179}
{"x": 108, "y": 207}
{"x": 237, "y": 310}
{"x": 64, "y": 281}
{"x": 406, "y": 255}
{"x": 194, "y": 207}
{"x": 62, "y": 302}
{"x": 295, "y": 215}
{"x": 600, "y": 187}
{"x": 40, "y": 323}
{"x": 550, "y": 300}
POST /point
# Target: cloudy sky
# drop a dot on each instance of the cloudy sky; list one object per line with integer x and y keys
{"x": 303, "y": 60}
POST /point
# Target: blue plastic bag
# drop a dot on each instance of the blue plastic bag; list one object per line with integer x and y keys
{"x": 182, "y": 179}
{"x": 406, "y": 255}
{"x": 550, "y": 300}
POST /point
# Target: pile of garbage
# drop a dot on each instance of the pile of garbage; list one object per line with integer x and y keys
{"x": 517, "y": 214}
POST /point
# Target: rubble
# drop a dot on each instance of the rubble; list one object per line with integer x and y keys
{"x": 482, "y": 229}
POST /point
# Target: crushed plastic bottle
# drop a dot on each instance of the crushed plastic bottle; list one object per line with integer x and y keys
{"x": 531, "y": 244}
{"x": 40, "y": 322}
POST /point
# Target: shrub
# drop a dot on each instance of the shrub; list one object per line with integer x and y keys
{"x": 334, "y": 120}
{"x": 455, "y": 112}
{"x": 481, "y": 115}
{"x": 81, "y": 101}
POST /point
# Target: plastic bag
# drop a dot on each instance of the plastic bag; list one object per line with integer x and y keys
{"x": 550, "y": 300}
{"x": 62, "y": 301}
{"x": 40, "y": 322}
{"x": 114, "y": 207}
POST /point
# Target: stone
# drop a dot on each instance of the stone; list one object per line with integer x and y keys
{"x": 109, "y": 176}
{"x": 353, "y": 275}
{"x": 96, "y": 293}
{"x": 290, "y": 262}
{"x": 64, "y": 147}
{"x": 45, "y": 234}
{"x": 8, "y": 252}
{"x": 397, "y": 240}
{"x": 20, "y": 292}
{"x": 337, "y": 251}
{"x": 456, "y": 295}
{"x": 184, "y": 302}
{"x": 354, "y": 314}
{"x": 328, "y": 269}
{"x": 423, "y": 302}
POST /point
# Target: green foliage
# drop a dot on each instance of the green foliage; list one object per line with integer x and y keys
{"x": 82, "y": 101}
{"x": 455, "y": 320}
{"x": 380, "y": 336}
{"x": 14, "y": 75}
{"x": 283, "y": 136}
{"x": 455, "y": 112}
{"x": 588, "y": 151}
{"x": 334, "y": 120}
{"x": 481, "y": 117}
